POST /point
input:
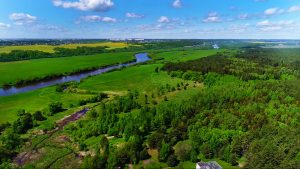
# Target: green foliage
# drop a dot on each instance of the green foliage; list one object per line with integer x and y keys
{"x": 250, "y": 64}
{"x": 38, "y": 116}
{"x": 9, "y": 144}
{"x": 55, "y": 107}
{"x": 164, "y": 151}
{"x": 23, "y": 123}
{"x": 94, "y": 99}
{"x": 155, "y": 140}
{"x": 94, "y": 162}
{"x": 183, "y": 150}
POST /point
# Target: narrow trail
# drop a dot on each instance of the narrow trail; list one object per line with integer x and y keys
{"x": 58, "y": 158}
{"x": 24, "y": 157}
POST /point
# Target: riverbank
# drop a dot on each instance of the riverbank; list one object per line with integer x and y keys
{"x": 75, "y": 76}
{"x": 18, "y": 71}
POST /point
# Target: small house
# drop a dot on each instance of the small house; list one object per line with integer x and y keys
{"x": 208, "y": 165}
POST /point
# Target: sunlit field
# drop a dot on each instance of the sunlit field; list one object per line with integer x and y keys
{"x": 50, "y": 48}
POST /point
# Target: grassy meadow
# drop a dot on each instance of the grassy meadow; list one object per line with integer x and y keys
{"x": 35, "y": 100}
{"x": 142, "y": 77}
{"x": 183, "y": 55}
{"x": 50, "y": 48}
{"x": 29, "y": 69}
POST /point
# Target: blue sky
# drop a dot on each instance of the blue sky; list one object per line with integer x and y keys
{"x": 203, "y": 19}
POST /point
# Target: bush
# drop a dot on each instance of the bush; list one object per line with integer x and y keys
{"x": 38, "y": 116}
{"x": 23, "y": 123}
{"x": 183, "y": 150}
{"x": 55, "y": 107}
{"x": 164, "y": 152}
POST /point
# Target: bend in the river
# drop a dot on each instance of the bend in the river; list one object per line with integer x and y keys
{"x": 141, "y": 57}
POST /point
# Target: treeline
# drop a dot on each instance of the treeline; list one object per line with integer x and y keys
{"x": 218, "y": 63}
{"x": 16, "y": 55}
{"x": 247, "y": 65}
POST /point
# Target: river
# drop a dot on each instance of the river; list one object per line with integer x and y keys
{"x": 141, "y": 57}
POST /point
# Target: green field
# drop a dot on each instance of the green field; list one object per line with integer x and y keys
{"x": 180, "y": 56}
{"x": 143, "y": 78}
{"x": 35, "y": 100}
{"x": 50, "y": 48}
{"x": 29, "y": 69}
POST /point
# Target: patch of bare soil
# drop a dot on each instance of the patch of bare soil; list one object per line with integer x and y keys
{"x": 34, "y": 153}
{"x": 148, "y": 161}
{"x": 26, "y": 157}
{"x": 62, "y": 139}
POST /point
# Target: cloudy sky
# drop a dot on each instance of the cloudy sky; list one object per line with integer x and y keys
{"x": 204, "y": 19}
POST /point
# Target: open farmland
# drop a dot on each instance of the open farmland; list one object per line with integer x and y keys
{"x": 50, "y": 48}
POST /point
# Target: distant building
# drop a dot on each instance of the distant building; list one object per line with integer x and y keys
{"x": 208, "y": 165}
{"x": 215, "y": 46}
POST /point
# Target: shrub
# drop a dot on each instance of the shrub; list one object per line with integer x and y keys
{"x": 55, "y": 107}
{"x": 38, "y": 116}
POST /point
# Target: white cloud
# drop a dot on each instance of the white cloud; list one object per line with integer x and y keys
{"x": 294, "y": 9}
{"x": 109, "y": 19}
{"x": 264, "y": 23}
{"x": 91, "y": 18}
{"x": 177, "y": 4}
{"x": 4, "y": 26}
{"x": 96, "y": 18}
{"x": 133, "y": 15}
{"x": 22, "y": 18}
{"x": 85, "y": 5}
{"x": 267, "y": 25}
{"x": 272, "y": 11}
{"x": 163, "y": 19}
{"x": 212, "y": 17}
{"x": 278, "y": 23}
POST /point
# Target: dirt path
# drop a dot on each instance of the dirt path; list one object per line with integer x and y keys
{"x": 25, "y": 157}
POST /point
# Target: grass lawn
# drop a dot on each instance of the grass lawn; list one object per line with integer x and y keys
{"x": 35, "y": 100}
{"x": 50, "y": 48}
{"x": 142, "y": 78}
{"x": 28, "y": 69}
{"x": 179, "y": 56}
